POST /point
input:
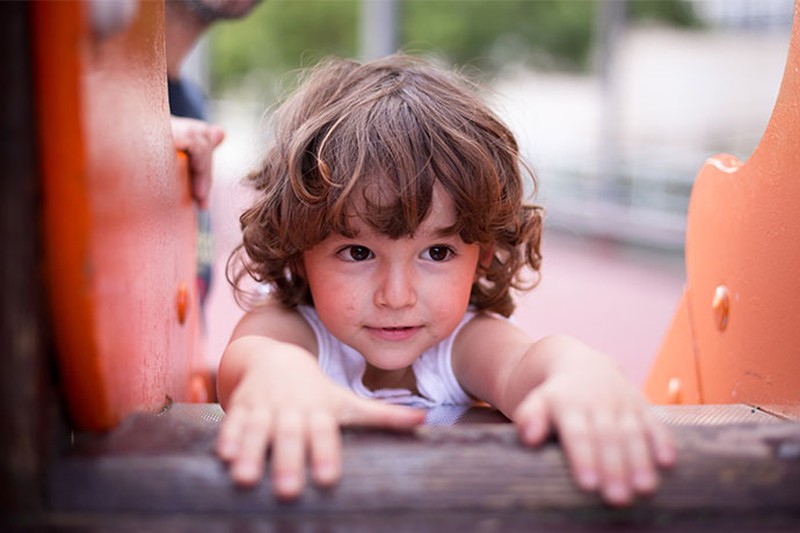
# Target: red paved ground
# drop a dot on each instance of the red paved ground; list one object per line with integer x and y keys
{"x": 615, "y": 299}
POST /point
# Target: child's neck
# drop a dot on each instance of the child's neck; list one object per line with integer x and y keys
{"x": 376, "y": 378}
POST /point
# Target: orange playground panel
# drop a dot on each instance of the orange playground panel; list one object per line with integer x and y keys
{"x": 735, "y": 337}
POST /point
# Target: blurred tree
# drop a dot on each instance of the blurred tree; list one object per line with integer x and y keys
{"x": 280, "y": 36}
{"x": 674, "y": 12}
{"x": 283, "y": 34}
{"x": 491, "y": 34}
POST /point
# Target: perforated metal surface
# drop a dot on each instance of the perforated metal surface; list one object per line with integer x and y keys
{"x": 211, "y": 413}
{"x": 201, "y": 413}
{"x": 677, "y": 415}
{"x": 711, "y": 415}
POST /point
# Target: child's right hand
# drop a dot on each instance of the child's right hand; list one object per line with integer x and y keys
{"x": 288, "y": 406}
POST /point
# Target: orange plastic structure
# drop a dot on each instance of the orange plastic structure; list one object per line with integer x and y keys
{"x": 736, "y": 335}
{"x": 118, "y": 217}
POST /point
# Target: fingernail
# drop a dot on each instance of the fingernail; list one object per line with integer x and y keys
{"x": 666, "y": 456}
{"x": 588, "y": 479}
{"x": 287, "y": 485}
{"x": 616, "y": 493}
{"x": 531, "y": 433}
{"x": 246, "y": 472}
{"x": 644, "y": 480}
{"x": 325, "y": 474}
{"x": 226, "y": 449}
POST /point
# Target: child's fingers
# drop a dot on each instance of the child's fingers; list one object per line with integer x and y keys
{"x": 247, "y": 467}
{"x": 641, "y": 460}
{"x": 661, "y": 441}
{"x": 371, "y": 413}
{"x": 288, "y": 455}
{"x": 532, "y": 420}
{"x": 625, "y": 458}
{"x": 326, "y": 448}
{"x": 578, "y": 441}
{"x": 610, "y": 441}
{"x": 230, "y": 434}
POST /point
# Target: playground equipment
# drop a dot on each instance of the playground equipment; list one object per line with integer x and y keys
{"x": 735, "y": 336}
{"x": 91, "y": 167}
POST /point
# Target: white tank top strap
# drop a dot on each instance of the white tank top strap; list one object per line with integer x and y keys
{"x": 433, "y": 370}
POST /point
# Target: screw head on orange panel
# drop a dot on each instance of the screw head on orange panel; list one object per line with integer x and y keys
{"x": 200, "y": 387}
{"x": 674, "y": 391}
{"x": 182, "y": 302}
{"x": 721, "y": 306}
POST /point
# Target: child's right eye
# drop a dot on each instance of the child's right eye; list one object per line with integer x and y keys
{"x": 355, "y": 253}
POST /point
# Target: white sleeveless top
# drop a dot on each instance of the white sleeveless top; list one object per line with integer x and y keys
{"x": 436, "y": 383}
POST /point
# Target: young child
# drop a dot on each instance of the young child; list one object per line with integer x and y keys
{"x": 391, "y": 227}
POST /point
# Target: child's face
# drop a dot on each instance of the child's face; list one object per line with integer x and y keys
{"x": 392, "y": 299}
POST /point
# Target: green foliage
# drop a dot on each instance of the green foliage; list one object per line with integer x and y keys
{"x": 491, "y": 33}
{"x": 283, "y": 35}
{"x": 674, "y": 12}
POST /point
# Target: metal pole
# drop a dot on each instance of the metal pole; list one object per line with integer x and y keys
{"x": 378, "y": 30}
{"x": 609, "y": 24}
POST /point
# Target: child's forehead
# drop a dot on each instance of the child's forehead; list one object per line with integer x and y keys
{"x": 440, "y": 220}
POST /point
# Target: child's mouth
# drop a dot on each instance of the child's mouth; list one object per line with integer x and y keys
{"x": 394, "y": 333}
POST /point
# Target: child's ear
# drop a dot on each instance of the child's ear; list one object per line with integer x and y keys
{"x": 487, "y": 253}
{"x": 484, "y": 260}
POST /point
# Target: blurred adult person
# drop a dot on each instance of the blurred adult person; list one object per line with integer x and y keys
{"x": 186, "y": 22}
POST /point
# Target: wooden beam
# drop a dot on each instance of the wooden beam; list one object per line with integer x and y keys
{"x": 25, "y": 396}
{"x": 165, "y": 464}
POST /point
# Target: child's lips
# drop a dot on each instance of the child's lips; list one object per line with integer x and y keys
{"x": 394, "y": 333}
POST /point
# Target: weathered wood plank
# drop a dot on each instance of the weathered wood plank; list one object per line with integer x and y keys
{"x": 24, "y": 391}
{"x": 166, "y": 465}
{"x": 410, "y": 521}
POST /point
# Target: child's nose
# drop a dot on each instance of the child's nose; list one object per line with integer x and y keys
{"x": 397, "y": 289}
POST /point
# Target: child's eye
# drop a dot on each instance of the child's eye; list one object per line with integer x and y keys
{"x": 438, "y": 253}
{"x": 355, "y": 253}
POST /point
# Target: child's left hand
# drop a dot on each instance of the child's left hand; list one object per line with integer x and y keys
{"x": 612, "y": 440}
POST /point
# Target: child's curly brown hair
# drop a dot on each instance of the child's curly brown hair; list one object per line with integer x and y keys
{"x": 371, "y": 140}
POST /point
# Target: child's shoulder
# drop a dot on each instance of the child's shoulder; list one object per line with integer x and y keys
{"x": 273, "y": 319}
{"x": 488, "y": 332}
{"x": 483, "y": 319}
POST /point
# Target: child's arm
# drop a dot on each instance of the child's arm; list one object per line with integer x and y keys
{"x": 613, "y": 442}
{"x": 276, "y": 397}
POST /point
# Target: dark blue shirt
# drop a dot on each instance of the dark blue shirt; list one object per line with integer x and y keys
{"x": 186, "y": 99}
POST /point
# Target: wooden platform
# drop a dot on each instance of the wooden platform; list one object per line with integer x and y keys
{"x": 740, "y": 467}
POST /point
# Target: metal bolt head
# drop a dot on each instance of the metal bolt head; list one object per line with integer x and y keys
{"x": 182, "y": 302}
{"x": 721, "y": 306}
{"x": 674, "y": 391}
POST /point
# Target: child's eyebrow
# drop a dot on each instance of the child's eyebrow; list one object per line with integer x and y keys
{"x": 443, "y": 231}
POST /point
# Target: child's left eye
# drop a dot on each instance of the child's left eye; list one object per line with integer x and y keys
{"x": 438, "y": 253}
{"x": 355, "y": 253}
